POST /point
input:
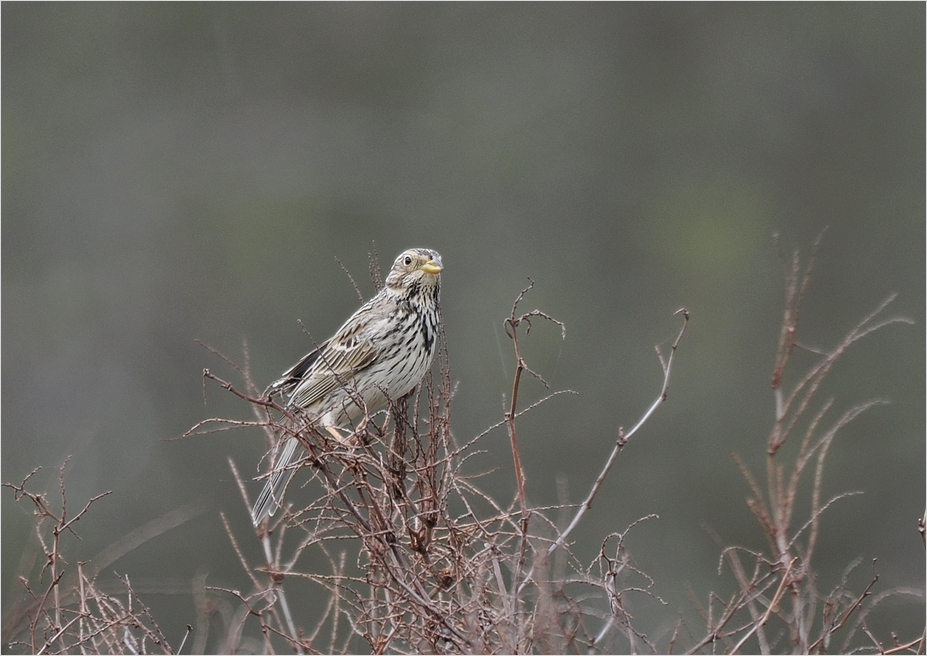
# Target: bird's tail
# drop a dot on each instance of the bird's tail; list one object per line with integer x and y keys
{"x": 271, "y": 496}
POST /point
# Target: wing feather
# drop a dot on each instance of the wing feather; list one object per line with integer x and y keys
{"x": 292, "y": 376}
{"x": 332, "y": 364}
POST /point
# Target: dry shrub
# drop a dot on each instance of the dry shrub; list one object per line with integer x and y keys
{"x": 64, "y": 610}
{"x": 420, "y": 560}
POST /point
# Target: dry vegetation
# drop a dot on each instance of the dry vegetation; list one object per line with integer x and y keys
{"x": 420, "y": 560}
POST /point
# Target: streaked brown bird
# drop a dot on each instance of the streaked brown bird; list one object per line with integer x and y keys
{"x": 381, "y": 352}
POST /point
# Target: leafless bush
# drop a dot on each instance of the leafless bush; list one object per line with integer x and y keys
{"x": 420, "y": 560}
{"x": 778, "y": 607}
{"x": 65, "y": 610}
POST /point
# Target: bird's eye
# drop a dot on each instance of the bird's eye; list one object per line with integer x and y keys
{"x": 408, "y": 260}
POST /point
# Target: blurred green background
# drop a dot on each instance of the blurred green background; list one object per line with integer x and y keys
{"x": 174, "y": 172}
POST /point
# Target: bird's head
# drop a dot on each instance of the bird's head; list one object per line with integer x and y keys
{"x": 416, "y": 267}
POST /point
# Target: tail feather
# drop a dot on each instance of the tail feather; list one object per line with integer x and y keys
{"x": 271, "y": 496}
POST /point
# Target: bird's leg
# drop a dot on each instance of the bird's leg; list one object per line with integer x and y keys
{"x": 352, "y": 438}
{"x": 363, "y": 425}
{"x": 334, "y": 432}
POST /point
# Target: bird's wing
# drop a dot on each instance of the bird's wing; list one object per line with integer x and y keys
{"x": 334, "y": 363}
{"x": 292, "y": 376}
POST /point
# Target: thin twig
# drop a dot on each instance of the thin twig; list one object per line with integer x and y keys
{"x": 769, "y": 609}
{"x": 623, "y": 439}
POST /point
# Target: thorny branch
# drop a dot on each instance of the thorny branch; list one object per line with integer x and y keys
{"x": 791, "y": 550}
{"x": 624, "y": 438}
{"x": 511, "y": 325}
{"x": 73, "y": 613}
{"x": 452, "y": 581}
{"x": 419, "y": 559}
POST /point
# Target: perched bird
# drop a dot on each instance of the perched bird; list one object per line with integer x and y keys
{"x": 381, "y": 352}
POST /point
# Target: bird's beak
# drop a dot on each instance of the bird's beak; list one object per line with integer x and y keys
{"x": 433, "y": 266}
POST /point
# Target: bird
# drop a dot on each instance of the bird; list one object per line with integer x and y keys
{"x": 380, "y": 353}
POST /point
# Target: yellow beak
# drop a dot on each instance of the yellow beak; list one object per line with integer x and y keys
{"x": 433, "y": 267}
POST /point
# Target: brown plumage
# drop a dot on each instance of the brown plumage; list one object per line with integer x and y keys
{"x": 381, "y": 352}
